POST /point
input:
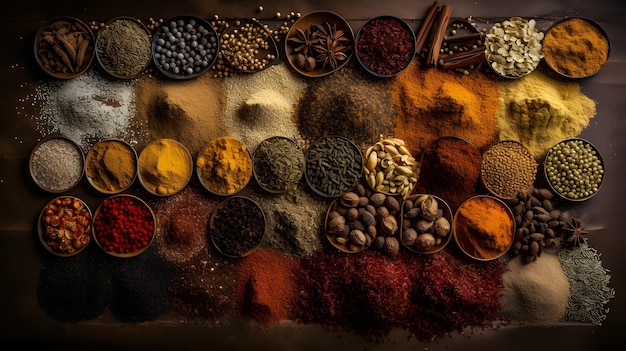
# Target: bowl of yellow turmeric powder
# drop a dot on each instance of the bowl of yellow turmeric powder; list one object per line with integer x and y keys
{"x": 64, "y": 47}
{"x": 224, "y": 166}
{"x": 164, "y": 167}
{"x": 576, "y": 47}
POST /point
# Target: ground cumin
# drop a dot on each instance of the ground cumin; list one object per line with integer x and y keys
{"x": 434, "y": 103}
{"x": 111, "y": 165}
{"x": 575, "y": 47}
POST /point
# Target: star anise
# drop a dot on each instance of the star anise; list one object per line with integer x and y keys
{"x": 330, "y": 53}
{"x": 304, "y": 40}
{"x": 574, "y": 234}
{"x": 327, "y": 31}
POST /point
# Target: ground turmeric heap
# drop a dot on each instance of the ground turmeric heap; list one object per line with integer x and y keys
{"x": 575, "y": 47}
{"x": 165, "y": 166}
{"x": 225, "y": 165}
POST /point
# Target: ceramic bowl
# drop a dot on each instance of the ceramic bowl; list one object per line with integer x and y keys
{"x": 112, "y": 51}
{"x": 245, "y": 234}
{"x": 64, "y": 47}
{"x": 441, "y": 240}
{"x": 150, "y": 175}
{"x": 248, "y": 31}
{"x": 55, "y": 235}
{"x": 308, "y": 24}
{"x": 48, "y": 156}
{"x": 98, "y": 163}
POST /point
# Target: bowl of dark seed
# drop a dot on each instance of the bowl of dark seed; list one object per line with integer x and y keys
{"x": 278, "y": 164}
{"x": 385, "y": 46}
{"x": 426, "y": 223}
{"x": 574, "y": 169}
{"x": 237, "y": 226}
{"x": 184, "y": 47}
{"x": 64, "y": 47}
{"x": 247, "y": 46}
{"x": 319, "y": 44}
{"x": 334, "y": 165}
{"x": 123, "y": 47}
{"x": 507, "y": 168}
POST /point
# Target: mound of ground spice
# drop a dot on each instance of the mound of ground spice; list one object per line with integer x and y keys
{"x": 434, "y": 103}
{"x": 266, "y": 285}
{"x": 350, "y": 103}
{"x": 370, "y": 293}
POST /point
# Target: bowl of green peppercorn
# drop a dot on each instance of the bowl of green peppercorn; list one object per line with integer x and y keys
{"x": 574, "y": 169}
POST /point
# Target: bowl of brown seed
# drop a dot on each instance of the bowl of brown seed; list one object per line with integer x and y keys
{"x": 64, "y": 47}
{"x": 426, "y": 223}
{"x": 507, "y": 168}
{"x": 319, "y": 44}
{"x": 124, "y": 47}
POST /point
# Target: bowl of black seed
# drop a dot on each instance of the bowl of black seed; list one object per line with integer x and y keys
{"x": 184, "y": 47}
{"x": 237, "y": 226}
{"x": 334, "y": 165}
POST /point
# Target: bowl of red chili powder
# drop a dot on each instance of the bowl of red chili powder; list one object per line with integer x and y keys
{"x": 124, "y": 225}
{"x": 385, "y": 46}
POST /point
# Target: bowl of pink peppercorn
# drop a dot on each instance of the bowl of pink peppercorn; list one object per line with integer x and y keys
{"x": 385, "y": 46}
{"x": 124, "y": 225}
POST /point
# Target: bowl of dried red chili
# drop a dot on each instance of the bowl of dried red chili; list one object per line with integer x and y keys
{"x": 64, "y": 47}
{"x": 124, "y": 225}
{"x": 237, "y": 226}
{"x": 319, "y": 44}
{"x": 385, "y": 46}
{"x": 64, "y": 226}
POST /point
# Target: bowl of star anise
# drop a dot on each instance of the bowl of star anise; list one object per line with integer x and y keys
{"x": 319, "y": 43}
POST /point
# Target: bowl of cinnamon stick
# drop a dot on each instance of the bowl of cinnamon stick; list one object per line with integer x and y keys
{"x": 64, "y": 47}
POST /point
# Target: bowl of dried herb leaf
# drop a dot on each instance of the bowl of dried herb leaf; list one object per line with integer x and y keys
{"x": 319, "y": 44}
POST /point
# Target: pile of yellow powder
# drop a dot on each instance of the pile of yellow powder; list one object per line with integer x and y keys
{"x": 539, "y": 111}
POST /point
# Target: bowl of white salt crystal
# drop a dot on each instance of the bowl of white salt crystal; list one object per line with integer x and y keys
{"x": 56, "y": 164}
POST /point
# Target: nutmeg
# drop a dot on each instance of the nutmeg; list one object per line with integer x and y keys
{"x": 350, "y": 199}
{"x": 441, "y": 227}
{"x": 368, "y": 219}
{"x": 424, "y": 242}
{"x": 408, "y": 237}
{"x": 412, "y": 213}
{"x": 352, "y": 214}
{"x": 422, "y": 225}
{"x": 391, "y": 246}
{"x": 378, "y": 243}
{"x": 377, "y": 199}
{"x": 389, "y": 225}
{"x": 429, "y": 208}
{"x": 310, "y": 63}
{"x": 357, "y": 237}
{"x": 382, "y": 212}
{"x": 392, "y": 203}
{"x": 336, "y": 224}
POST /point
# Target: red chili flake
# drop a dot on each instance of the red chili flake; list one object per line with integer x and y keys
{"x": 385, "y": 46}
{"x": 123, "y": 225}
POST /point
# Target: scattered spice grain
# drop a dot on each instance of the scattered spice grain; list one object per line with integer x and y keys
{"x": 589, "y": 284}
{"x": 141, "y": 288}
{"x": 349, "y": 103}
{"x": 434, "y": 103}
{"x": 182, "y": 224}
{"x": 539, "y": 111}
{"x": 74, "y": 289}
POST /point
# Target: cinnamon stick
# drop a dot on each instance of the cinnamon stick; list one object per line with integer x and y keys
{"x": 426, "y": 27}
{"x": 463, "y": 37}
{"x": 464, "y": 59}
{"x": 439, "y": 34}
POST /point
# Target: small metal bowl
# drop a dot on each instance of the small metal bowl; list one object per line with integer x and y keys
{"x": 71, "y": 240}
{"x": 360, "y": 54}
{"x": 554, "y": 63}
{"x": 50, "y": 166}
{"x": 307, "y": 22}
{"x": 132, "y": 46}
{"x": 553, "y": 154}
{"x": 64, "y": 55}
{"x": 276, "y": 164}
{"x": 138, "y": 202}
{"x": 446, "y": 213}
{"x": 163, "y": 56}
{"x": 235, "y": 31}
{"x": 96, "y": 160}
{"x": 208, "y": 172}
{"x": 318, "y": 170}
{"x": 245, "y": 226}
{"x": 144, "y": 174}
{"x": 463, "y": 240}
